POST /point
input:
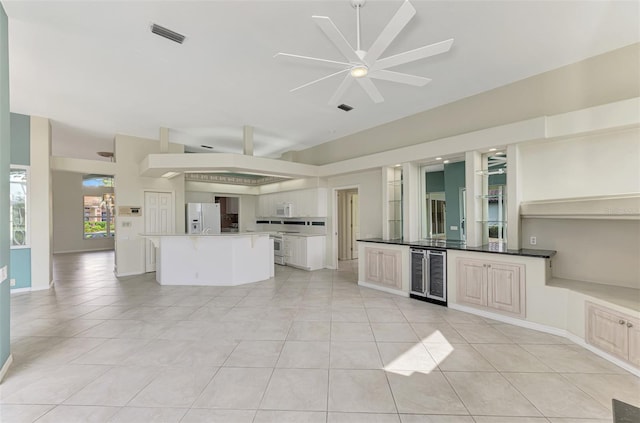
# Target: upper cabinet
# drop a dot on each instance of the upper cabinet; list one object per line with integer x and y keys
{"x": 305, "y": 203}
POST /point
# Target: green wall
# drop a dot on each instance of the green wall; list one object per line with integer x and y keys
{"x": 20, "y": 139}
{"x": 434, "y": 181}
{"x": 453, "y": 181}
{"x": 20, "y": 258}
{"x": 5, "y": 154}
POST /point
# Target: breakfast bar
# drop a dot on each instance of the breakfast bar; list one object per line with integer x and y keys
{"x": 227, "y": 259}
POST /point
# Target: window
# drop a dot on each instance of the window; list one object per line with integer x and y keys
{"x": 19, "y": 201}
{"x": 99, "y": 216}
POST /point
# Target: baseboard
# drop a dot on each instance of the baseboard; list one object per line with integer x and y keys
{"x": 5, "y": 367}
{"x": 19, "y": 290}
{"x": 615, "y": 360}
{"x": 550, "y": 330}
{"x": 121, "y": 275}
{"x": 384, "y": 289}
{"x": 511, "y": 320}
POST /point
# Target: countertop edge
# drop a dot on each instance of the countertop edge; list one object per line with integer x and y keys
{"x": 456, "y": 246}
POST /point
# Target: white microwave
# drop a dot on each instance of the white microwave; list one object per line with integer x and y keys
{"x": 284, "y": 210}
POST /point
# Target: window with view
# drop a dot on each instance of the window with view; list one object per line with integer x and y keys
{"x": 19, "y": 200}
{"x": 99, "y": 207}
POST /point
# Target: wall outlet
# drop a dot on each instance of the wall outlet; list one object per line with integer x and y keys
{"x": 12, "y": 282}
{"x": 533, "y": 240}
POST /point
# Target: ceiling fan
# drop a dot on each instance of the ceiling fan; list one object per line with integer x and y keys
{"x": 361, "y": 65}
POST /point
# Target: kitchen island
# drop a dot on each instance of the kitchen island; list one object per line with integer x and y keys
{"x": 226, "y": 259}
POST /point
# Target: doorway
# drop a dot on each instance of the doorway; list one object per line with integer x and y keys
{"x": 348, "y": 219}
{"x": 158, "y": 218}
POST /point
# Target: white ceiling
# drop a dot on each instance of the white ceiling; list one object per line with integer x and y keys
{"x": 95, "y": 68}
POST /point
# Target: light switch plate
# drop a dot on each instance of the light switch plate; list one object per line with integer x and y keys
{"x": 453, "y": 228}
{"x": 3, "y": 274}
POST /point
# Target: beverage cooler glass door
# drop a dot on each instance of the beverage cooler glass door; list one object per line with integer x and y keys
{"x": 437, "y": 275}
{"x": 418, "y": 275}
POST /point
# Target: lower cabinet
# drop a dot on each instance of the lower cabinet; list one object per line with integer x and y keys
{"x": 304, "y": 252}
{"x": 613, "y": 332}
{"x": 383, "y": 267}
{"x": 492, "y": 285}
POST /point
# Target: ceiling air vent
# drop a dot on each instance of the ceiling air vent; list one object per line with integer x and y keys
{"x": 345, "y": 107}
{"x": 207, "y": 146}
{"x": 167, "y": 33}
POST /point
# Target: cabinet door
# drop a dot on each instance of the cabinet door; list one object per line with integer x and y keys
{"x": 301, "y": 251}
{"x": 633, "y": 328}
{"x": 372, "y": 265}
{"x": 505, "y": 287}
{"x": 607, "y": 330}
{"x": 391, "y": 262}
{"x": 472, "y": 282}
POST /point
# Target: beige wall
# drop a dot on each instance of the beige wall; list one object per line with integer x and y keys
{"x": 601, "y": 79}
{"x": 68, "y": 216}
{"x": 602, "y": 251}
{"x": 129, "y": 191}
{"x": 600, "y": 164}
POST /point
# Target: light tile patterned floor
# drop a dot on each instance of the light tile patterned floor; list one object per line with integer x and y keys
{"x": 301, "y": 347}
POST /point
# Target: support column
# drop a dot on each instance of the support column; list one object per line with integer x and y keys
{"x": 41, "y": 232}
{"x": 164, "y": 140}
{"x": 473, "y": 163}
{"x": 247, "y": 137}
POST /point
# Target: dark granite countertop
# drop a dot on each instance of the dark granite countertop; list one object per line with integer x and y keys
{"x": 495, "y": 248}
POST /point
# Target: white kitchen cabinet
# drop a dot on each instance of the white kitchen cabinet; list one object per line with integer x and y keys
{"x": 613, "y": 332}
{"x": 306, "y": 202}
{"x": 304, "y": 252}
{"x": 383, "y": 267}
{"x": 494, "y": 285}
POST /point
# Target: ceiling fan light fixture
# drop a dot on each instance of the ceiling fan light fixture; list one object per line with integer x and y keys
{"x": 359, "y": 71}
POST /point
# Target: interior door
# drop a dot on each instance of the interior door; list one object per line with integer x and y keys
{"x": 158, "y": 218}
{"x": 355, "y": 223}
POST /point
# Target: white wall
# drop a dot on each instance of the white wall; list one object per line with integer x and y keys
{"x": 129, "y": 191}
{"x": 68, "y": 218}
{"x": 601, "y": 164}
{"x": 370, "y": 197}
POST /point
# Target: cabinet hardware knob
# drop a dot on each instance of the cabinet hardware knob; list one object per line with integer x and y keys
{"x": 622, "y": 322}
{"x": 488, "y": 265}
{"x": 629, "y": 325}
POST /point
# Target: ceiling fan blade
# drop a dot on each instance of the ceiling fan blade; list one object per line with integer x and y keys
{"x": 335, "y": 98}
{"x": 316, "y": 59}
{"x": 336, "y": 37}
{"x": 413, "y": 55}
{"x": 318, "y": 80}
{"x": 402, "y": 78}
{"x": 368, "y": 86}
{"x": 390, "y": 32}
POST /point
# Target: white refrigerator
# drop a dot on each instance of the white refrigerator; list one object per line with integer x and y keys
{"x": 203, "y": 218}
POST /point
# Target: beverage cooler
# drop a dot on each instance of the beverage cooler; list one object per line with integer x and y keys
{"x": 429, "y": 275}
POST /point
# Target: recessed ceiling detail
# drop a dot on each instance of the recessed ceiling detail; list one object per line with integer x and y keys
{"x": 361, "y": 65}
{"x": 167, "y": 33}
{"x": 233, "y": 178}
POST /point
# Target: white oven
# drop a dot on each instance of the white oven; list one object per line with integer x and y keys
{"x": 278, "y": 248}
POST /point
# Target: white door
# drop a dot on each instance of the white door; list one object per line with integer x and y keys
{"x": 355, "y": 223}
{"x": 158, "y": 218}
